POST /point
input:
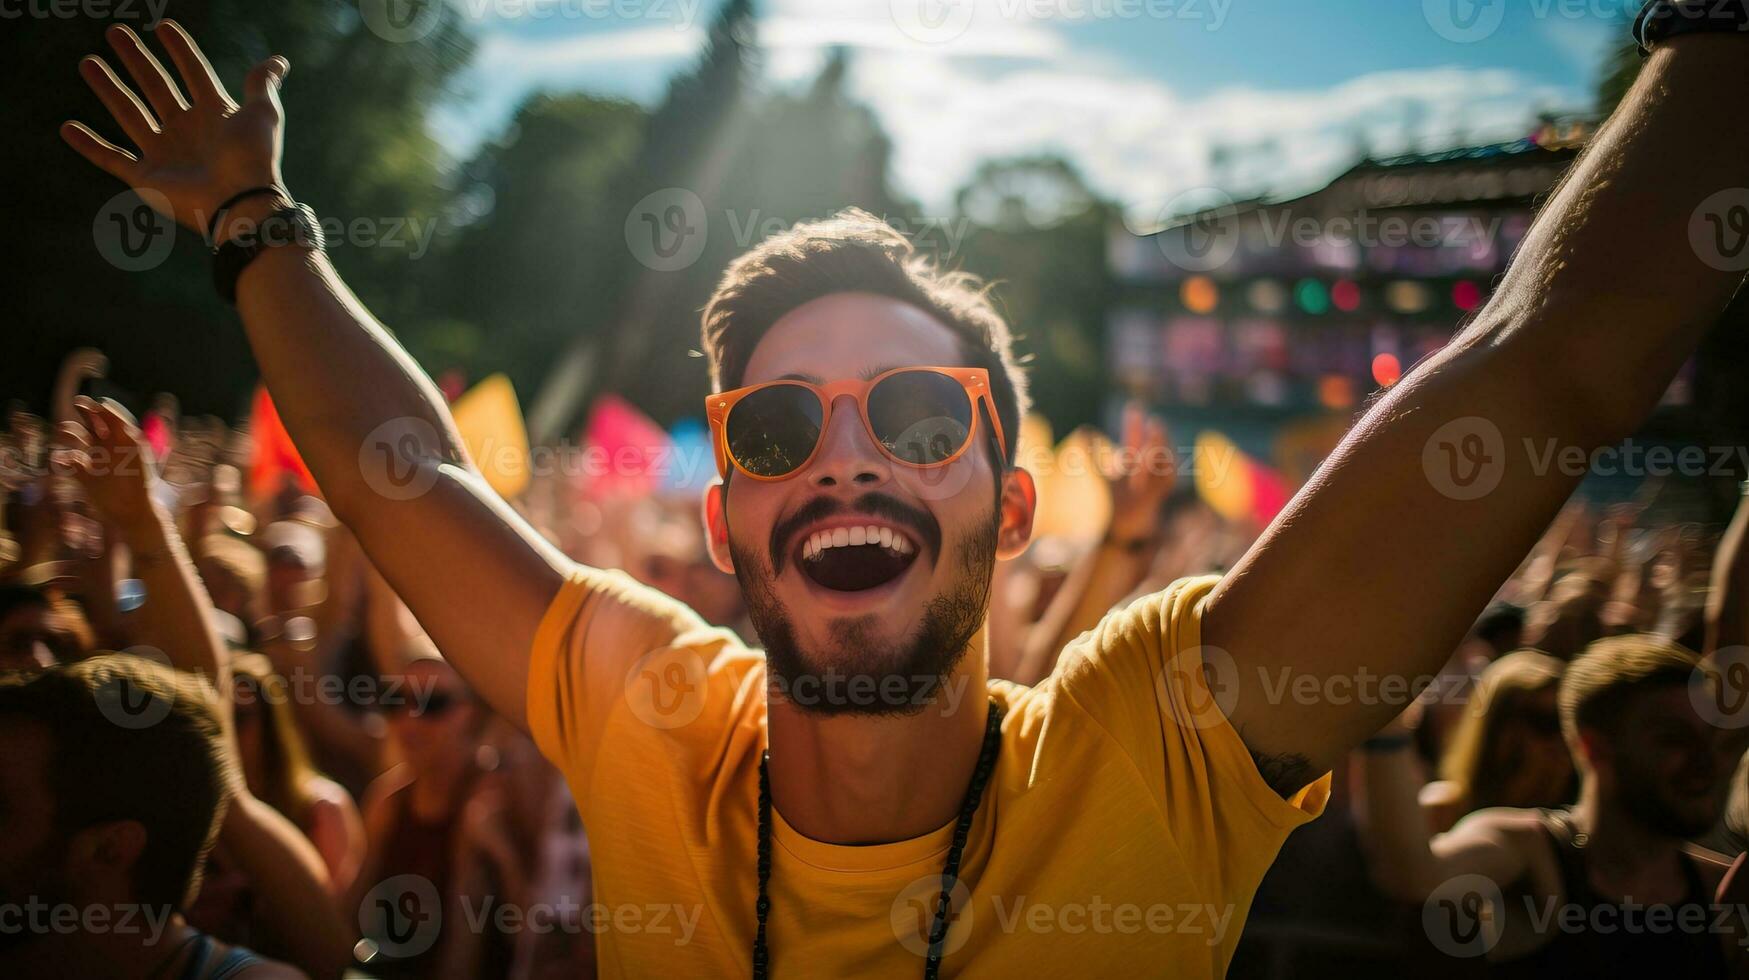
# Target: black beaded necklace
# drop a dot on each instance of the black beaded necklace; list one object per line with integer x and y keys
{"x": 949, "y": 872}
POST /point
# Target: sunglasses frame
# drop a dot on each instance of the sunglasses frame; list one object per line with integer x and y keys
{"x": 976, "y": 382}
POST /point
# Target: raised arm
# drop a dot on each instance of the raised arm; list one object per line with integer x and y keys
{"x": 1386, "y": 556}
{"x": 372, "y": 427}
{"x": 110, "y": 459}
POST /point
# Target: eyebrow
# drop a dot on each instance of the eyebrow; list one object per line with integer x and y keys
{"x": 868, "y": 374}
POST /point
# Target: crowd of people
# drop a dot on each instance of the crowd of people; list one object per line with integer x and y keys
{"x": 352, "y": 756}
{"x": 229, "y": 750}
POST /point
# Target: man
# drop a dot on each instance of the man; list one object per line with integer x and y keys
{"x": 1608, "y": 887}
{"x": 113, "y": 779}
{"x": 1120, "y": 813}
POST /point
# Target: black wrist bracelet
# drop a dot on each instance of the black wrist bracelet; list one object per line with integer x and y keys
{"x": 212, "y": 226}
{"x": 295, "y": 226}
{"x": 1661, "y": 20}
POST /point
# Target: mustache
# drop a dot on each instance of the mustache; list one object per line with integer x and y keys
{"x": 885, "y": 506}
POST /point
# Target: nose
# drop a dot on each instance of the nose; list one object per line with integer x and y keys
{"x": 848, "y": 456}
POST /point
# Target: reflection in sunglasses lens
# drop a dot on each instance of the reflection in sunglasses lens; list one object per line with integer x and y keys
{"x": 773, "y": 430}
{"x": 922, "y": 417}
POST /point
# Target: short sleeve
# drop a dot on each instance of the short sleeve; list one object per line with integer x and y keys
{"x": 1162, "y": 698}
{"x": 603, "y": 632}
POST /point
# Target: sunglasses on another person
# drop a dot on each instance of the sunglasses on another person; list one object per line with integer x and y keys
{"x": 919, "y": 416}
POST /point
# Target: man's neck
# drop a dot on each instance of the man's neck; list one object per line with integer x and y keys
{"x": 1625, "y": 858}
{"x": 862, "y": 779}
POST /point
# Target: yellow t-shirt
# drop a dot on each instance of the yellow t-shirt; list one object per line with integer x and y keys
{"x": 1125, "y": 827}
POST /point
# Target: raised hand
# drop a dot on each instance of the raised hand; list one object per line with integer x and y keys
{"x": 110, "y": 459}
{"x": 1144, "y": 479}
{"x": 195, "y": 146}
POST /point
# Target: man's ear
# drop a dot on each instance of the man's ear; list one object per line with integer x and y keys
{"x": 716, "y": 526}
{"x": 1019, "y": 503}
{"x": 107, "y": 851}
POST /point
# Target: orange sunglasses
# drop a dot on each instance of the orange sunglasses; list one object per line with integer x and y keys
{"x": 918, "y": 416}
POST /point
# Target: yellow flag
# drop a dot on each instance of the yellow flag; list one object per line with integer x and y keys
{"x": 490, "y": 421}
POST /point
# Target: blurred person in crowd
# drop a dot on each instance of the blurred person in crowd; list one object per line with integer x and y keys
{"x": 108, "y": 819}
{"x": 1505, "y": 750}
{"x": 1568, "y": 620}
{"x": 295, "y": 557}
{"x": 277, "y": 766}
{"x": 235, "y": 574}
{"x": 277, "y": 770}
{"x": 669, "y": 556}
{"x": 857, "y": 387}
{"x": 521, "y": 847}
{"x": 1652, "y": 777}
{"x": 413, "y": 812}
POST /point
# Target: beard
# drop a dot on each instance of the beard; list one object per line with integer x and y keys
{"x": 1650, "y": 804}
{"x": 871, "y": 676}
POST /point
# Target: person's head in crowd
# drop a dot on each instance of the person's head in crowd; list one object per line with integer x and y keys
{"x": 115, "y": 776}
{"x": 433, "y": 717}
{"x": 296, "y": 557}
{"x": 270, "y": 745}
{"x": 672, "y": 558}
{"x": 1506, "y": 749}
{"x": 1637, "y": 737}
{"x": 24, "y": 629}
{"x": 848, "y": 299}
{"x": 235, "y": 575}
{"x": 1501, "y": 627}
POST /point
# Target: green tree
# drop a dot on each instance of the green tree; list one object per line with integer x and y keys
{"x": 1034, "y": 225}
{"x": 357, "y": 148}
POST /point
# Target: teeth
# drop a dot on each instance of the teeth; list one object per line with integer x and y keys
{"x": 842, "y": 537}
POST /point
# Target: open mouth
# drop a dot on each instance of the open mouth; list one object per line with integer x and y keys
{"x": 854, "y": 559}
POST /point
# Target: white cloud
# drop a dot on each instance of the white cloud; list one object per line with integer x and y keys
{"x": 1139, "y": 142}
{"x": 1010, "y": 83}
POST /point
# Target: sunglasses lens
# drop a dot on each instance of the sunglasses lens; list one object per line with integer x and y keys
{"x": 773, "y": 430}
{"x": 922, "y": 417}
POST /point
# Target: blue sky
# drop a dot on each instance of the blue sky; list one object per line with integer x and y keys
{"x": 1136, "y": 92}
